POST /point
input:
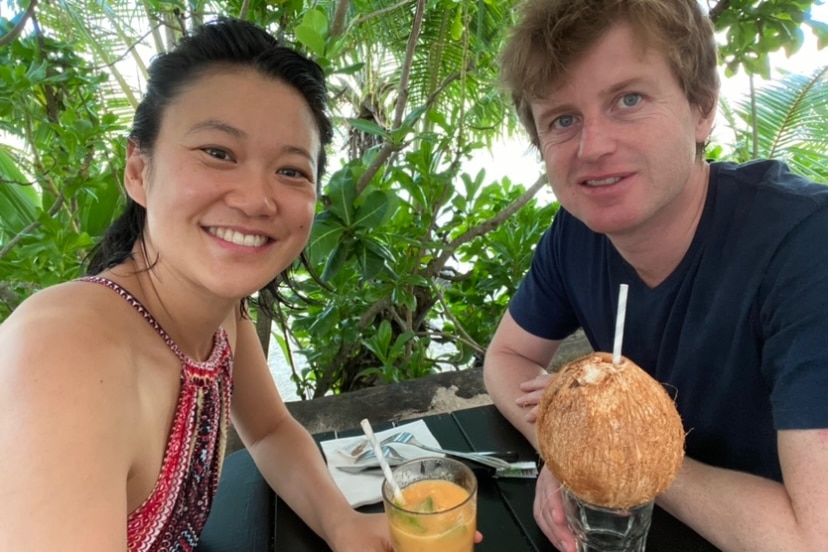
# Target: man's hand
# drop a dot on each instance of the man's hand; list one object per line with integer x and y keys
{"x": 533, "y": 391}
{"x": 549, "y": 512}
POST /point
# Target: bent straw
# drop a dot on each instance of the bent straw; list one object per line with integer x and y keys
{"x": 619, "y": 324}
{"x": 386, "y": 469}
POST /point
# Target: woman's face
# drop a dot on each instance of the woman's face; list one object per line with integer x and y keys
{"x": 230, "y": 190}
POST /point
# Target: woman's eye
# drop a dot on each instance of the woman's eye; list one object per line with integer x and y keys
{"x": 294, "y": 173}
{"x": 630, "y": 100}
{"x": 218, "y": 153}
{"x": 564, "y": 121}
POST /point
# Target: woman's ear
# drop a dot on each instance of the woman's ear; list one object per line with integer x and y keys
{"x": 135, "y": 174}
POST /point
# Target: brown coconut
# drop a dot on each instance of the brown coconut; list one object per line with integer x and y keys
{"x": 610, "y": 434}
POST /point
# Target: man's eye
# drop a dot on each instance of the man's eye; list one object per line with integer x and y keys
{"x": 563, "y": 121}
{"x": 630, "y": 100}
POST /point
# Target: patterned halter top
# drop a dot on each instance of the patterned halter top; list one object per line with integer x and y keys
{"x": 172, "y": 517}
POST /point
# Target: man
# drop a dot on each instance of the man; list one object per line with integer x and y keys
{"x": 728, "y": 274}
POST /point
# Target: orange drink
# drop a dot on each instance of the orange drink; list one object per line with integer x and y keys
{"x": 438, "y": 511}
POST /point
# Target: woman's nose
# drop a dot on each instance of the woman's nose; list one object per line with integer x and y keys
{"x": 255, "y": 195}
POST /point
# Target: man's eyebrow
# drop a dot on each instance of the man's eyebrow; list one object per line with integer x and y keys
{"x": 212, "y": 124}
{"x": 626, "y": 83}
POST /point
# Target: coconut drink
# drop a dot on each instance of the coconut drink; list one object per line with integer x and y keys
{"x": 609, "y": 432}
{"x": 612, "y": 436}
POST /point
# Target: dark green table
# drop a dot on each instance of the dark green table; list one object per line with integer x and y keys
{"x": 248, "y": 517}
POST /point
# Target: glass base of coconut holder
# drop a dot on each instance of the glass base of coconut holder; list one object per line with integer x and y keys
{"x": 598, "y": 529}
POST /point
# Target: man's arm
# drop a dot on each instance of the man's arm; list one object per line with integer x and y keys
{"x": 514, "y": 357}
{"x": 741, "y": 512}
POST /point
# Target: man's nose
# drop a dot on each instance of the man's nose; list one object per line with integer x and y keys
{"x": 596, "y": 140}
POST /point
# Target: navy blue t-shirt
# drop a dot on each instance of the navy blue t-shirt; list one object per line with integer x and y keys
{"x": 738, "y": 333}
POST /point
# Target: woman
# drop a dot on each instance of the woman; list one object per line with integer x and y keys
{"x": 116, "y": 388}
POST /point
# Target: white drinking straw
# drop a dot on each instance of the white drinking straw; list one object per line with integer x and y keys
{"x": 386, "y": 469}
{"x": 619, "y": 324}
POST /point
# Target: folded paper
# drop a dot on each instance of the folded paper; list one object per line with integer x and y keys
{"x": 366, "y": 488}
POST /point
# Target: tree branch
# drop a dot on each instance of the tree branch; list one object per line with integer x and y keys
{"x": 458, "y": 327}
{"x": 436, "y": 264}
{"x": 338, "y": 23}
{"x": 716, "y": 11}
{"x": 389, "y": 147}
{"x": 244, "y": 9}
{"x": 405, "y": 74}
{"x": 345, "y": 349}
{"x": 30, "y": 227}
{"x": 18, "y": 27}
{"x": 373, "y": 15}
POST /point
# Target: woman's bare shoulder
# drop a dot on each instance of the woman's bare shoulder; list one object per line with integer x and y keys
{"x": 65, "y": 337}
{"x": 67, "y": 396}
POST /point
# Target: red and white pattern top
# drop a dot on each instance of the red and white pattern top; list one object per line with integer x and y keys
{"x": 172, "y": 517}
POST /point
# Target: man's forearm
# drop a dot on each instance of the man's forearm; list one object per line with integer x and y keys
{"x": 502, "y": 377}
{"x": 737, "y": 511}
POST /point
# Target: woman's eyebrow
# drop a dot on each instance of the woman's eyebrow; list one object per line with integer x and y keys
{"x": 299, "y": 151}
{"x": 213, "y": 124}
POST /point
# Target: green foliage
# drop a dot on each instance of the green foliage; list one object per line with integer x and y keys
{"x": 416, "y": 256}
{"x": 784, "y": 119}
{"x": 755, "y": 28}
{"x": 56, "y": 182}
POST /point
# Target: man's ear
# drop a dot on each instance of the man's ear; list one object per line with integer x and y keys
{"x": 704, "y": 125}
{"x": 135, "y": 174}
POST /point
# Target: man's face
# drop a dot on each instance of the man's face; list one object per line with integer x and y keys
{"x": 618, "y": 137}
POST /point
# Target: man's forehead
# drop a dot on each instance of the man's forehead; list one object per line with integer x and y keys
{"x": 642, "y": 51}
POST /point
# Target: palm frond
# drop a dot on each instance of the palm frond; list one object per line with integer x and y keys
{"x": 789, "y": 110}
{"x": 790, "y": 122}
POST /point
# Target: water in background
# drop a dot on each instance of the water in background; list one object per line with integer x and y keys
{"x": 281, "y": 371}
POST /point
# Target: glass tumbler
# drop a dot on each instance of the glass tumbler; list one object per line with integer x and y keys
{"x": 598, "y": 529}
{"x": 421, "y": 524}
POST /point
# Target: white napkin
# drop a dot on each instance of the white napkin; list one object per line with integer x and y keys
{"x": 366, "y": 488}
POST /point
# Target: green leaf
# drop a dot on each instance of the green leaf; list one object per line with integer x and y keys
{"x": 371, "y": 264}
{"x": 336, "y": 260}
{"x": 312, "y": 31}
{"x": 368, "y": 127}
{"x": 374, "y": 210}
{"x": 342, "y": 194}
{"x": 457, "y": 24}
{"x": 19, "y": 203}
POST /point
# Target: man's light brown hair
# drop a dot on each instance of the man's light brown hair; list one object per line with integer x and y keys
{"x": 553, "y": 34}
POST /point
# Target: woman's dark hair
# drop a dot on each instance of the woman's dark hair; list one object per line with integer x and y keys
{"x": 223, "y": 42}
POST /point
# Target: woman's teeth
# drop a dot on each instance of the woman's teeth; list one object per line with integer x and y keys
{"x": 248, "y": 240}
